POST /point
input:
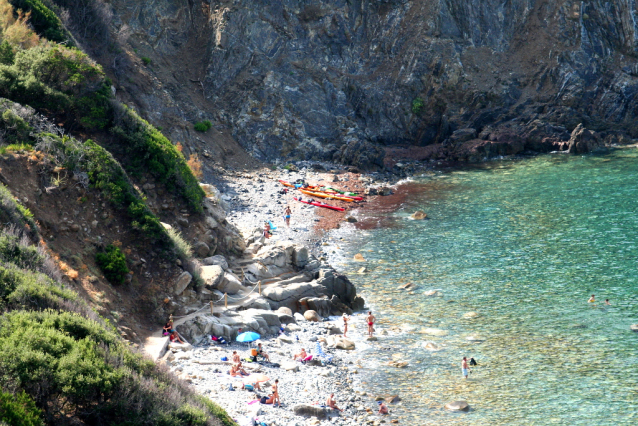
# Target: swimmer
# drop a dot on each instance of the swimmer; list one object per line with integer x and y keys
{"x": 592, "y": 299}
{"x": 607, "y": 302}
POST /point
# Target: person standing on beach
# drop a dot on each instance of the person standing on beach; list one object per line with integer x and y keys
{"x": 287, "y": 213}
{"x": 345, "y": 324}
{"x": 266, "y": 229}
{"x": 464, "y": 367}
{"x": 370, "y": 318}
{"x": 275, "y": 394}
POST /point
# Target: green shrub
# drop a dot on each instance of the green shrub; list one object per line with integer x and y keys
{"x": 146, "y": 60}
{"x": 13, "y": 212}
{"x": 44, "y": 21}
{"x": 417, "y": 106}
{"x": 112, "y": 262}
{"x": 203, "y": 126}
{"x": 182, "y": 247}
{"x": 19, "y": 410}
{"x": 7, "y": 53}
{"x": 148, "y": 149}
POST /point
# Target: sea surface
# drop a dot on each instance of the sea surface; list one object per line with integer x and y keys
{"x": 524, "y": 244}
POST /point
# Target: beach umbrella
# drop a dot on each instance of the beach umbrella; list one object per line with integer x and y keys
{"x": 248, "y": 337}
{"x": 256, "y": 378}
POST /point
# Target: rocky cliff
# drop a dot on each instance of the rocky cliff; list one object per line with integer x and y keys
{"x": 337, "y": 79}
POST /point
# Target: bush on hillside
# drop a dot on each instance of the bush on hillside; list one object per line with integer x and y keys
{"x": 203, "y": 126}
{"x": 112, "y": 262}
{"x": 44, "y": 21}
{"x": 149, "y": 149}
{"x": 19, "y": 410}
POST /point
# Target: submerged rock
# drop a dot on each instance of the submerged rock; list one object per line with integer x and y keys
{"x": 457, "y": 406}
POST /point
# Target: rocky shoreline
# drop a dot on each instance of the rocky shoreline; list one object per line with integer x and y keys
{"x": 282, "y": 282}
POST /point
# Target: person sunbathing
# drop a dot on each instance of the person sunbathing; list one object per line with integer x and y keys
{"x": 237, "y": 370}
{"x": 330, "y": 402}
{"x": 302, "y": 356}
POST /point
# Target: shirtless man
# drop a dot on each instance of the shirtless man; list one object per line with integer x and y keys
{"x": 383, "y": 409}
{"x": 330, "y": 402}
{"x": 345, "y": 324}
{"x": 275, "y": 394}
{"x": 371, "y": 319}
{"x": 236, "y": 359}
{"x": 301, "y": 355}
{"x": 236, "y": 370}
{"x": 464, "y": 367}
{"x": 287, "y": 213}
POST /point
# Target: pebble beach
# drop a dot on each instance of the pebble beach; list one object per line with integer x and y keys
{"x": 253, "y": 198}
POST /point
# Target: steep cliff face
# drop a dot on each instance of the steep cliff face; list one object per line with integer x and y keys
{"x": 333, "y": 79}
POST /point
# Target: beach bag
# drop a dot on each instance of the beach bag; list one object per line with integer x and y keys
{"x": 224, "y": 358}
{"x": 249, "y": 387}
{"x": 253, "y": 352}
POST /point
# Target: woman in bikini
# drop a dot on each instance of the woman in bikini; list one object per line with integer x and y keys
{"x": 345, "y": 325}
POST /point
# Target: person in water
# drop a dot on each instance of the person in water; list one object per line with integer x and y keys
{"x": 607, "y": 302}
{"x": 592, "y": 299}
{"x": 464, "y": 367}
{"x": 370, "y": 319}
{"x": 287, "y": 213}
{"x": 383, "y": 409}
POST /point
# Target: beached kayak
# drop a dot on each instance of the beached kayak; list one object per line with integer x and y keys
{"x": 328, "y": 196}
{"x": 319, "y": 204}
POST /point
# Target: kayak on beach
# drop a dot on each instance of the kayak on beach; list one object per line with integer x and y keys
{"x": 324, "y": 205}
{"x": 329, "y": 192}
{"x": 324, "y": 195}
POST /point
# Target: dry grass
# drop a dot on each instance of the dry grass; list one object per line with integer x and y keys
{"x": 195, "y": 164}
{"x": 16, "y": 30}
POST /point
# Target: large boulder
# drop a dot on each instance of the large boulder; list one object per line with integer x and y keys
{"x": 321, "y": 306}
{"x": 216, "y": 260}
{"x": 182, "y": 282}
{"x": 339, "y": 342}
{"x": 279, "y": 255}
{"x": 361, "y": 154}
{"x": 201, "y": 249}
{"x": 230, "y": 284}
{"x": 306, "y": 410}
{"x": 211, "y": 275}
{"x": 300, "y": 256}
{"x": 311, "y": 315}
{"x": 290, "y": 295}
{"x": 337, "y": 284}
{"x": 583, "y": 140}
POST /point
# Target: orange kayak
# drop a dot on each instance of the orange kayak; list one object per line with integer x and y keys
{"x": 327, "y": 196}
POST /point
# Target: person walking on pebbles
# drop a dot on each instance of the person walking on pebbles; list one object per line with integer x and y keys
{"x": 287, "y": 213}
{"x": 371, "y": 319}
{"x": 345, "y": 324}
{"x": 275, "y": 394}
{"x": 464, "y": 367}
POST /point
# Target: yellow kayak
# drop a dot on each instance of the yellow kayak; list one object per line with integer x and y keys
{"x": 327, "y": 196}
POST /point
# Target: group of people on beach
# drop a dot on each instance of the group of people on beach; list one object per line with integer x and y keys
{"x": 268, "y": 229}
{"x": 172, "y": 334}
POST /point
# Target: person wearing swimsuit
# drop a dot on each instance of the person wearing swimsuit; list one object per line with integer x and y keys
{"x": 464, "y": 367}
{"x": 370, "y": 318}
{"x": 287, "y": 213}
{"x": 275, "y": 394}
{"x": 345, "y": 325}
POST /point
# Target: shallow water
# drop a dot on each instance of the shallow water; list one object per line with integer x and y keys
{"x": 523, "y": 243}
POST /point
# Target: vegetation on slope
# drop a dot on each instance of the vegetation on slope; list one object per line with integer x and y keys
{"x": 64, "y": 82}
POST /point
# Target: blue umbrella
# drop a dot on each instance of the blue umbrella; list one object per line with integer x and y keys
{"x": 248, "y": 336}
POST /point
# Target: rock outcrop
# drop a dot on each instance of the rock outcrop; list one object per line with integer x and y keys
{"x": 314, "y": 80}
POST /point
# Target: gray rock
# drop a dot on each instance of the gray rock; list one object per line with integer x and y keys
{"x": 183, "y": 221}
{"x": 201, "y": 249}
{"x": 457, "y": 406}
{"x": 230, "y": 284}
{"x": 300, "y": 257}
{"x": 311, "y": 315}
{"x": 306, "y": 410}
{"x": 216, "y": 260}
{"x": 211, "y": 275}
{"x": 182, "y": 282}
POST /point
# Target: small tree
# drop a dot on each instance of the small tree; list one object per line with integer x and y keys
{"x": 203, "y": 126}
{"x": 195, "y": 164}
{"x": 417, "y": 106}
{"x": 112, "y": 262}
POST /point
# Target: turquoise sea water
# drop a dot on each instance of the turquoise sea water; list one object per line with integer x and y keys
{"x": 523, "y": 243}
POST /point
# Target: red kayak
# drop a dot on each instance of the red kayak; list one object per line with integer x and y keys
{"x": 318, "y": 204}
